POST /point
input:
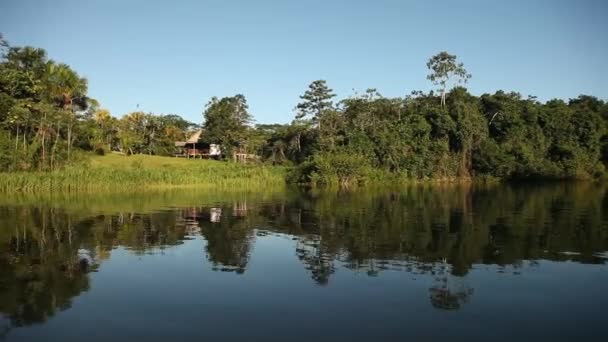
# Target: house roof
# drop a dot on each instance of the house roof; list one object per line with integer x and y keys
{"x": 192, "y": 140}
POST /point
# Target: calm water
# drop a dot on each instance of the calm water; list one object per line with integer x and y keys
{"x": 457, "y": 262}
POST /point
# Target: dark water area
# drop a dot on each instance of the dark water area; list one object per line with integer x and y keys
{"x": 509, "y": 262}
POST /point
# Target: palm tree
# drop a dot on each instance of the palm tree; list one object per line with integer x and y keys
{"x": 101, "y": 116}
{"x": 133, "y": 132}
{"x": 103, "y": 119}
{"x": 68, "y": 90}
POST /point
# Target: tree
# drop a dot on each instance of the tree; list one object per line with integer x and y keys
{"x": 317, "y": 101}
{"x": 471, "y": 127}
{"x": 68, "y": 90}
{"x": 45, "y": 113}
{"x": 132, "y": 132}
{"x": 3, "y": 47}
{"x": 176, "y": 121}
{"x": 294, "y": 142}
{"x": 21, "y": 73}
{"x": 226, "y": 122}
{"x": 444, "y": 68}
{"x": 25, "y": 100}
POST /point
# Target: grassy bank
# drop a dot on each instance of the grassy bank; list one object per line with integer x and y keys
{"x": 137, "y": 172}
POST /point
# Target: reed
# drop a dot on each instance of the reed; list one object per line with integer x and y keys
{"x": 133, "y": 173}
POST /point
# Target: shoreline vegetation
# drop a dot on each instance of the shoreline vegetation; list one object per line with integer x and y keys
{"x": 55, "y": 137}
{"x": 117, "y": 173}
{"x": 150, "y": 199}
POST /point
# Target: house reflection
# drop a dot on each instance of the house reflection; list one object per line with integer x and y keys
{"x": 215, "y": 215}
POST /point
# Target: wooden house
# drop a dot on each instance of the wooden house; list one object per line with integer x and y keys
{"x": 193, "y": 147}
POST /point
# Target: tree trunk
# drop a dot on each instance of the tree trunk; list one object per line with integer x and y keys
{"x": 319, "y": 114}
{"x": 54, "y": 148}
{"x": 43, "y": 159}
{"x": 298, "y": 140}
{"x": 44, "y": 128}
{"x": 71, "y": 112}
{"x": 69, "y": 138}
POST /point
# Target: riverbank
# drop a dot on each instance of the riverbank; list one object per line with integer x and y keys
{"x": 138, "y": 172}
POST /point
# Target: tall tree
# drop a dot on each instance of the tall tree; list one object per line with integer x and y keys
{"x": 317, "y": 101}
{"x": 104, "y": 122}
{"x": 226, "y": 121}
{"x": 68, "y": 90}
{"x": 444, "y": 68}
{"x": 132, "y": 132}
{"x": 3, "y": 47}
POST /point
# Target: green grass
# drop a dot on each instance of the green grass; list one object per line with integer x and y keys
{"x": 133, "y": 173}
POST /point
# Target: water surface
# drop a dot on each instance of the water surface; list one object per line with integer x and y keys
{"x": 455, "y": 262}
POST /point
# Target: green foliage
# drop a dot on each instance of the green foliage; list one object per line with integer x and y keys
{"x": 340, "y": 167}
{"x": 139, "y": 132}
{"x": 47, "y": 120}
{"x": 226, "y": 121}
{"x": 444, "y": 68}
{"x": 500, "y": 136}
{"x": 45, "y": 114}
{"x": 137, "y": 172}
{"x": 290, "y": 143}
{"x": 40, "y": 101}
{"x": 490, "y": 159}
{"x": 6, "y": 148}
{"x": 316, "y": 101}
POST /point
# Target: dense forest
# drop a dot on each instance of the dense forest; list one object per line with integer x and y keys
{"x": 48, "y": 120}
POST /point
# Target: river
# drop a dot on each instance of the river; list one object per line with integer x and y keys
{"x": 456, "y": 262}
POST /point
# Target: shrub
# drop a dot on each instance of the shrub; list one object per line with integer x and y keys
{"x": 340, "y": 167}
{"x": 5, "y": 152}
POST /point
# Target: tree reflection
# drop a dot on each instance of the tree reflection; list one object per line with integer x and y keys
{"x": 229, "y": 238}
{"x": 449, "y": 292}
{"x": 47, "y": 253}
{"x": 42, "y": 266}
{"x": 318, "y": 262}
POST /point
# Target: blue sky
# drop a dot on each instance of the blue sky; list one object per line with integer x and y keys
{"x": 173, "y": 56}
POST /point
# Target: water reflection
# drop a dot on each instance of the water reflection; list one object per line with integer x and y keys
{"x": 42, "y": 262}
{"x": 46, "y": 253}
{"x": 229, "y": 238}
